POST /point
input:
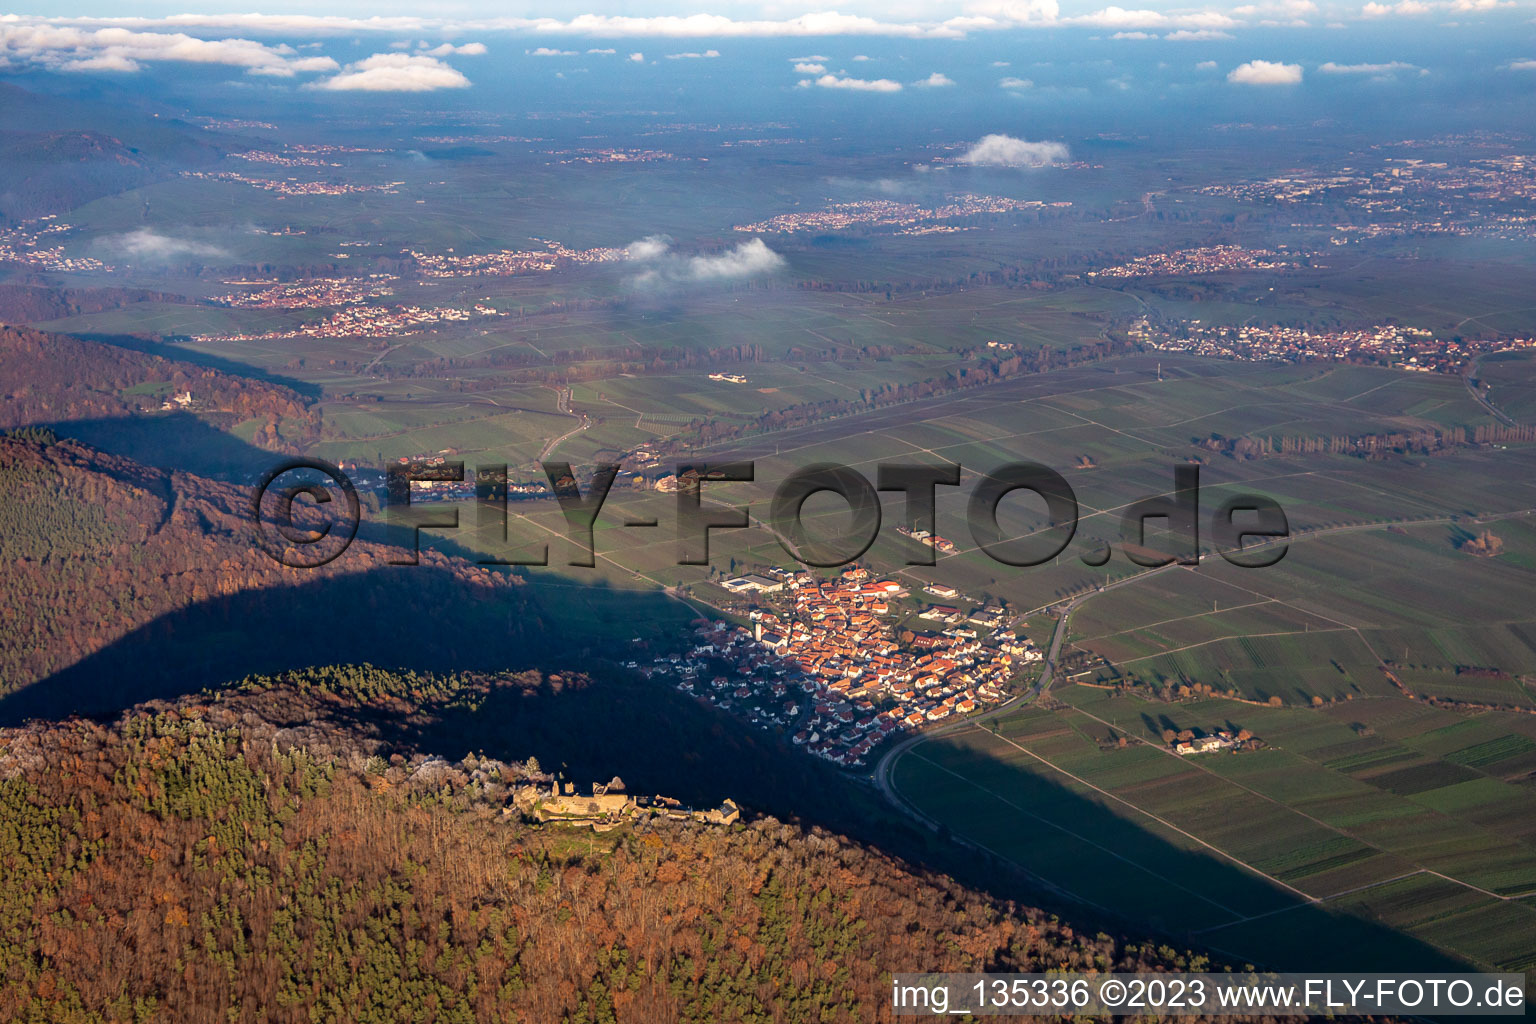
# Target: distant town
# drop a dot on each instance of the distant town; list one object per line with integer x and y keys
{"x": 1404, "y": 348}
{"x": 511, "y": 261}
{"x": 888, "y": 213}
{"x": 374, "y": 321}
{"x": 319, "y": 291}
{"x": 295, "y": 187}
{"x": 24, "y": 244}
{"x": 1207, "y": 260}
{"x": 1485, "y": 197}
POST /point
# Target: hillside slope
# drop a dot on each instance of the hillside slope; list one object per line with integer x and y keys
{"x": 97, "y": 546}
{"x": 48, "y": 378}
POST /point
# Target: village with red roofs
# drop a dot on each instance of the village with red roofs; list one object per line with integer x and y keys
{"x": 822, "y": 660}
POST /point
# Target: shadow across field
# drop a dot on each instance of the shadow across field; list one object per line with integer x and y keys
{"x": 198, "y": 357}
{"x": 1132, "y": 874}
{"x": 599, "y": 720}
{"x": 561, "y": 695}
{"x": 175, "y": 440}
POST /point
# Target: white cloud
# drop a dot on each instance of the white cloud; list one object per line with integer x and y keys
{"x": 667, "y": 269}
{"x": 1206, "y": 65}
{"x": 146, "y": 245}
{"x": 448, "y": 50}
{"x": 1204, "y": 19}
{"x": 693, "y": 26}
{"x": 609, "y": 51}
{"x": 1133, "y": 35}
{"x": 83, "y": 43}
{"x": 1388, "y": 68}
{"x": 1418, "y": 8}
{"x": 1007, "y": 151}
{"x": 1404, "y": 8}
{"x": 814, "y": 58}
{"x": 858, "y": 84}
{"x": 1265, "y": 72}
{"x": 1003, "y": 13}
{"x": 547, "y": 51}
{"x": 637, "y": 57}
{"x": 313, "y": 64}
{"x": 1197, "y": 35}
{"x": 804, "y": 68}
{"x": 1143, "y": 18}
{"x": 1016, "y": 83}
{"x": 69, "y": 48}
{"x": 1002, "y": 63}
{"x": 106, "y": 62}
{"x": 715, "y": 26}
{"x": 976, "y": 16}
{"x": 1523, "y": 65}
{"x": 649, "y": 247}
{"x": 860, "y": 57}
{"x": 746, "y": 260}
{"x": 693, "y": 55}
{"x": 395, "y": 72}
{"x": 301, "y": 24}
{"x": 1276, "y": 9}
{"x": 934, "y": 81}
{"x": 1119, "y": 17}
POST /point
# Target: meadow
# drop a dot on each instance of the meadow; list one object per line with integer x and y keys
{"x": 1369, "y": 811}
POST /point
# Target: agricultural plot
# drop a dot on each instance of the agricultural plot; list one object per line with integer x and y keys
{"x": 1511, "y": 380}
{"x": 1386, "y": 824}
{"x": 1319, "y": 624}
{"x": 513, "y": 437}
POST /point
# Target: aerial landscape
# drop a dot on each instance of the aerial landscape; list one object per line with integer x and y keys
{"x": 680, "y": 514}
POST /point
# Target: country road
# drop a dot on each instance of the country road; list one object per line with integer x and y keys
{"x": 563, "y": 404}
{"x": 1489, "y": 407}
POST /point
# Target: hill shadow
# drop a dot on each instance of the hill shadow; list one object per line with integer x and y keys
{"x": 174, "y": 440}
{"x": 1139, "y": 880}
{"x": 661, "y": 741}
{"x": 197, "y": 357}
{"x": 422, "y": 618}
{"x": 612, "y": 722}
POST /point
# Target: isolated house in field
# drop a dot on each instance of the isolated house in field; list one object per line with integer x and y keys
{"x": 1201, "y": 745}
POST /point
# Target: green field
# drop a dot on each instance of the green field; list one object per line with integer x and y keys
{"x": 1372, "y": 812}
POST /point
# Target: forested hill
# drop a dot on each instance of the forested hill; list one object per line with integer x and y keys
{"x": 48, "y": 378}
{"x": 251, "y": 857}
{"x": 123, "y": 584}
{"x": 63, "y": 152}
{"x": 151, "y": 573}
{"x": 30, "y": 303}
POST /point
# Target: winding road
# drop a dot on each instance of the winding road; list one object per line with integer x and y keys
{"x": 563, "y": 404}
